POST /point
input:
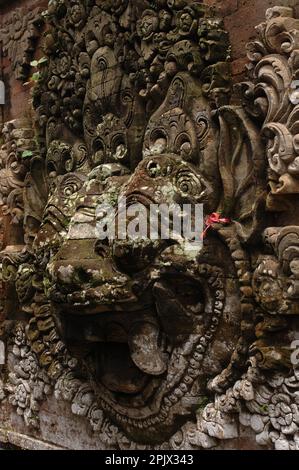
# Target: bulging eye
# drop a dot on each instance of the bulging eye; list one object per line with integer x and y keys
{"x": 120, "y": 152}
{"x": 153, "y": 169}
{"x": 186, "y": 150}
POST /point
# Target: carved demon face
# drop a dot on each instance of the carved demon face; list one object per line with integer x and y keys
{"x": 155, "y": 338}
{"x": 142, "y": 314}
{"x": 150, "y": 324}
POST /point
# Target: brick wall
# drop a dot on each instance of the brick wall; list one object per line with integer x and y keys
{"x": 241, "y": 17}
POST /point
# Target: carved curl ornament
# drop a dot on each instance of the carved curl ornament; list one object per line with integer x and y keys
{"x": 157, "y": 349}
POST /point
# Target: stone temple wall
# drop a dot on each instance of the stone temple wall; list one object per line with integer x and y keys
{"x": 114, "y": 343}
{"x": 240, "y": 18}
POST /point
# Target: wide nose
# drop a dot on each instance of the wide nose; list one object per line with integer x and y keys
{"x": 83, "y": 271}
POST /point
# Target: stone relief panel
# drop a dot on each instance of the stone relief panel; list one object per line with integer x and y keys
{"x": 18, "y": 142}
{"x": 18, "y": 38}
{"x": 153, "y": 347}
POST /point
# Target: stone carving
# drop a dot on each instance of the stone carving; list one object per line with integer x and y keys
{"x": 17, "y": 148}
{"x": 155, "y": 347}
{"x": 27, "y": 385}
{"x": 19, "y": 37}
{"x": 272, "y": 93}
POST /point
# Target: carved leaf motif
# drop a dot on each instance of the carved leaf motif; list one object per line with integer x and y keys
{"x": 274, "y": 79}
{"x": 241, "y": 165}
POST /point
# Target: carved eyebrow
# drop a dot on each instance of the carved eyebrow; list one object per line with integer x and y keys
{"x": 86, "y": 210}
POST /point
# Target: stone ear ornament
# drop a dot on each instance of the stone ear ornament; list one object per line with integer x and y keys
{"x": 153, "y": 348}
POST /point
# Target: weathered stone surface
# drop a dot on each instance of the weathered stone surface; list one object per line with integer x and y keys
{"x": 118, "y": 343}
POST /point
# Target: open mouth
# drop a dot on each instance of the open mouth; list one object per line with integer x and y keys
{"x": 129, "y": 350}
{"x": 145, "y": 359}
{"x": 122, "y": 350}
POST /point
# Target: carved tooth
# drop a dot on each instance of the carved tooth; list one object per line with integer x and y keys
{"x": 170, "y": 308}
{"x": 173, "y": 398}
{"x": 194, "y": 364}
{"x": 167, "y": 401}
{"x": 188, "y": 380}
{"x": 183, "y": 388}
{"x": 192, "y": 373}
{"x": 145, "y": 351}
{"x": 198, "y": 357}
{"x": 179, "y": 393}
